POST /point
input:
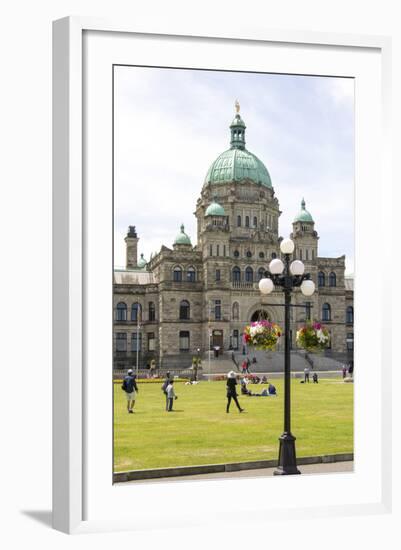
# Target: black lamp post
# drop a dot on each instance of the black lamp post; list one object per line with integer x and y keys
{"x": 287, "y": 276}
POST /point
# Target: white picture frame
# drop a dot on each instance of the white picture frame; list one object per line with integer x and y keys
{"x": 74, "y": 438}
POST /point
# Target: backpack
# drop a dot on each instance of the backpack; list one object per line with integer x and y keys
{"x": 124, "y": 385}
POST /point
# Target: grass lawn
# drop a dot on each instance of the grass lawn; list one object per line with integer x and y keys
{"x": 201, "y": 432}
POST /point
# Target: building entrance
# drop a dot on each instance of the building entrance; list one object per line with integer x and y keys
{"x": 217, "y": 339}
{"x": 260, "y": 315}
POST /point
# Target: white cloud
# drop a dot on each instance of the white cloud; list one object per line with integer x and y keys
{"x": 171, "y": 124}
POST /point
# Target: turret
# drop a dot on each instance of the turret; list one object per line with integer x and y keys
{"x": 131, "y": 241}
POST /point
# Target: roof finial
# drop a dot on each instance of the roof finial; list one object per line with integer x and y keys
{"x": 237, "y": 106}
{"x": 303, "y": 203}
{"x": 182, "y": 228}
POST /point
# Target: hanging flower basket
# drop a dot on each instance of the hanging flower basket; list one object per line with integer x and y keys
{"x": 262, "y": 335}
{"x": 313, "y": 337}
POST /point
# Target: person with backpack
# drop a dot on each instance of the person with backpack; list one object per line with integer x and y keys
{"x": 131, "y": 389}
{"x": 164, "y": 387}
{"x": 170, "y": 396}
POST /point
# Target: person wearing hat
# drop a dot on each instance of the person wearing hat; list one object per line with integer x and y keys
{"x": 131, "y": 389}
{"x": 232, "y": 391}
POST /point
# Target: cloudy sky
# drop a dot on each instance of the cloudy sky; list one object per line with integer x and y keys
{"x": 171, "y": 124}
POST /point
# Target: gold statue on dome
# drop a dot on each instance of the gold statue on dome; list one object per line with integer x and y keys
{"x": 237, "y": 105}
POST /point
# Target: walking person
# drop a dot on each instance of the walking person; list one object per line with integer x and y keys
{"x": 152, "y": 368}
{"x": 131, "y": 389}
{"x": 232, "y": 391}
{"x": 164, "y": 387}
{"x": 170, "y": 396}
{"x": 248, "y": 364}
{"x": 244, "y": 367}
{"x": 306, "y": 374}
{"x": 351, "y": 369}
{"x": 344, "y": 370}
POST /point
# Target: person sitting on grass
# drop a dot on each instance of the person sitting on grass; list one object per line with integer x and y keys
{"x": 244, "y": 389}
{"x": 315, "y": 379}
{"x": 272, "y": 390}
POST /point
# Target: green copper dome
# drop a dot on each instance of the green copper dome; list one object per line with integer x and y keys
{"x": 237, "y": 163}
{"x": 182, "y": 237}
{"x": 142, "y": 262}
{"x": 304, "y": 215}
{"x": 215, "y": 209}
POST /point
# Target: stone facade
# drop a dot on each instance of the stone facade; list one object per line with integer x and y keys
{"x": 192, "y": 298}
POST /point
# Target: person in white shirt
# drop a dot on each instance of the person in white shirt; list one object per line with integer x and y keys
{"x": 306, "y": 374}
{"x": 170, "y": 396}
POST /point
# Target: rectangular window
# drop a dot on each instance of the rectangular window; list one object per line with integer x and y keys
{"x": 217, "y": 274}
{"x": 313, "y": 254}
{"x": 300, "y": 254}
{"x": 307, "y": 254}
{"x": 224, "y": 250}
{"x": 217, "y": 310}
{"x": 136, "y": 337}
{"x": 184, "y": 340}
{"x": 217, "y": 250}
{"x": 151, "y": 341}
{"x": 308, "y": 310}
{"x": 211, "y": 250}
{"x": 235, "y": 339}
{"x": 121, "y": 341}
{"x": 350, "y": 341}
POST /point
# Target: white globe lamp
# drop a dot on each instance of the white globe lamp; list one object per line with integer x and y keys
{"x": 266, "y": 286}
{"x": 297, "y": 267}
{"x": 287, "y": 246}
{"x": 307, "y": 288}
{"x": 276, "y": 266}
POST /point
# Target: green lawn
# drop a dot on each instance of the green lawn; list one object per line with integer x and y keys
{"x": 200, "y": 431}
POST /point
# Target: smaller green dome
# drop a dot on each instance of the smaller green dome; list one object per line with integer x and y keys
{"x": 304, "y": 215}
{"x": 182, "y": 237}
{"x": 215, "y": 209}
{"x": 142, "y": 262}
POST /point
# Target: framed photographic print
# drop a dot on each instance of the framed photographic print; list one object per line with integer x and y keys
{"x": 213, "y": 197}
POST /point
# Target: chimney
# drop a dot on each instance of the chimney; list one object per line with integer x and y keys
{"x": 131, "y": 241}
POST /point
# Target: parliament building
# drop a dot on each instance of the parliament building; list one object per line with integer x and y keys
{"x": 192, "y": 296}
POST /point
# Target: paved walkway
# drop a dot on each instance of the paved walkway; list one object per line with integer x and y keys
{"x": 322, "y": 468}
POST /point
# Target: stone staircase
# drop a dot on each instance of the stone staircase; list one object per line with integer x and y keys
{"x": 268, "y": 361}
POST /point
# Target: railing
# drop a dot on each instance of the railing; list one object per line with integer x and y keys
{"x": 244, "y": 286}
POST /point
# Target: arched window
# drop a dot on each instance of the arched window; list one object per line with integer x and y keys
{"x": 184, "y": 310}
{"x": 332, "y": 279}
{"x": 177, "y": 274}
{"x": 121, "y": 312}
{"x": 136, "y": 312}
{"x": 321, "y": 279}
{"x": 274, "y": 255}
{"x": 235, "y": 311}
{"x": 236, "y": 274}
{"x": 238, "y": 221}
{"x": 236, "y": 254}
{"x": 261, "y": 273}
{"x": 350, "y": 315}
{"x": 249, "y": 254}
{"x": 191, "y": 274}
{"x": 326, "y": 312}
{"x": 255, "y": 221}
{"x": 249, "y": 275}
{"x": 152, "y": 311}
{"x": 246, "y": 221}
{"x": 261, "y": 255}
